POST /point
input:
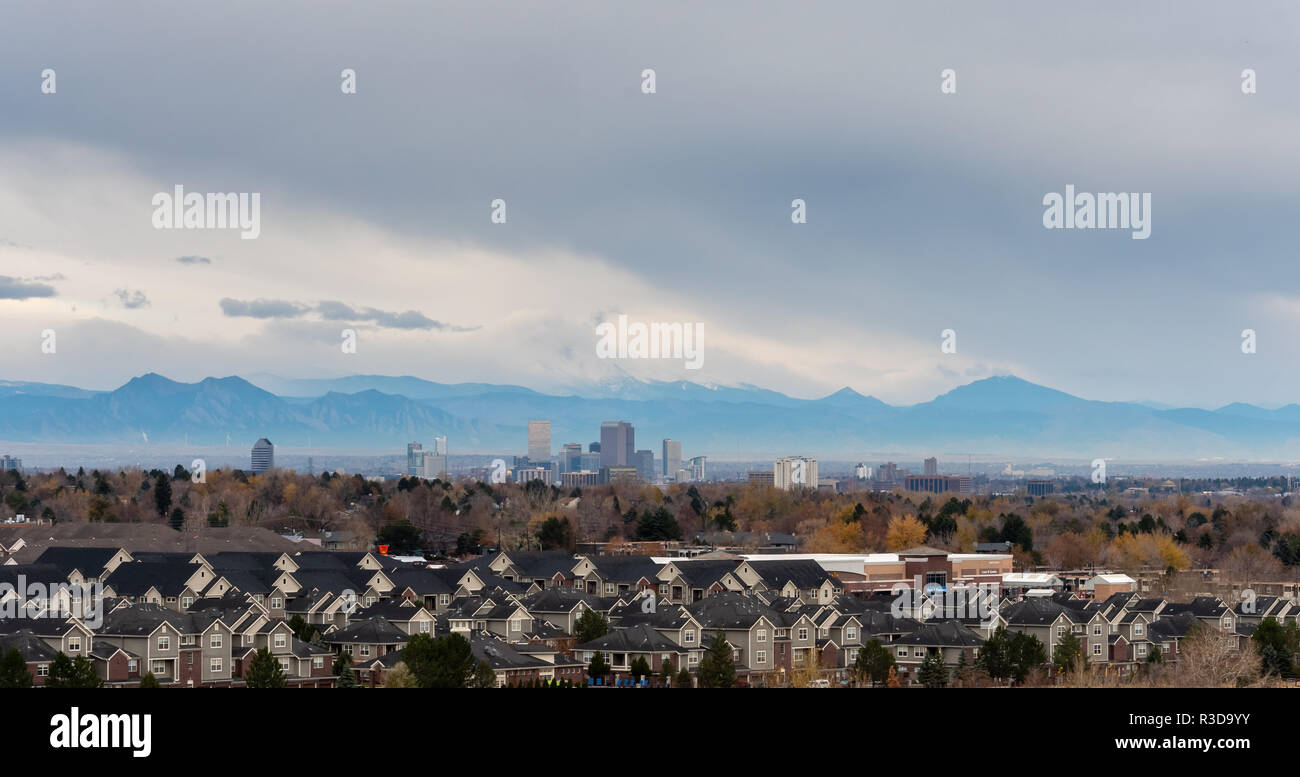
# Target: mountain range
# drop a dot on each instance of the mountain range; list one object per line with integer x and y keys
{"x": 1001, "y": 416}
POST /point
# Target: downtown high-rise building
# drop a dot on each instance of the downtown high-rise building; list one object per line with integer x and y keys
{"x": 644, "y": 461}
{"x": 617, "y": 444}
{"x": 931, "y": 466}
{"x": 263, "y": 456}
{"x": 672, "y": 458}
{"x": 794, "y": 472}
{"x": 570, "y": 457}
{"x": 539, "y": 441}
{"x": 427, "y": 464}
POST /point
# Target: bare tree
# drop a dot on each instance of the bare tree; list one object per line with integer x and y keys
{"x": 1210, "y": 658}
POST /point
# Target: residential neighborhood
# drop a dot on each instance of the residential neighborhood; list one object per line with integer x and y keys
{"x": 527, "y": 618}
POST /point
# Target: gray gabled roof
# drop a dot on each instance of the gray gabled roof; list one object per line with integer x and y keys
{"x": 637, "y": 639}
{"x": 371, "y": 631}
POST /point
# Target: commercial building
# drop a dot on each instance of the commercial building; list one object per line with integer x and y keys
{"x": 263, "y": 456}
{"x": 580, "y": 479}
{"x": 1040, "y": 487}
{"x": 644, "y": 461}
{"x": 526, "y": 474}
{"x": 697, "y": 468}
{"x": 571, "y": 457}
{"x": 794, "y": 472}
{"x": 539, "y": 441}
{"x": 617, "y": 444}
{"x": 672, "y": 457}
{"x": 8, "y": 463}
{"x": 938, "y": 484}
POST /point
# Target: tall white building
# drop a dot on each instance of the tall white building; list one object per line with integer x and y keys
{"x": 263, "y": 456}
{"x": 794, "y": 472}
{"x": 697, "y": 468}
{"x": 539, "y": 441}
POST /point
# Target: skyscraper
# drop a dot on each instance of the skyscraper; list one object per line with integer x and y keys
{"x": 414, "y": 459}
{"x": 263, "y": 456}
{"x": 644, "y": 461}
{"x": 570, "y": 456}
{"x": 931, "y": 466}
{"x": 617, "y": 444}
{"x": 794, "y": 472}
{"x": 539, "y": 441}
{"x": 672, "y": 457}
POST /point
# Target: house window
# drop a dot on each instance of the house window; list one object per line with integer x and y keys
{"x": 1096, "y": 629}
{"x": 1165, "y": 647}
{"x": 164, "y": 643}
{"x": 214, "y": 665}
{"x": 215, "y": 640}
{"x": 516, "y": 625}
{"x": 444, "y": 599}
{"x": 277, "y": 603}
{"x": 1060, "y": 631}
{"x": 760, "y": 657}
{"x": 158, "y": 667}
{"x": 1096, "y": 649}
{"x": 317, "y": 663}
{"x": 609, "y": 588}
{"x": 248, "y": 639}
{"x": 370, "y": 601}
{"x": 803, "y": 634}
{"x": 171, "y": 600}
{"x": 424, "y": 627}
{"x": 132, "y": 666}
{"x": 902, "y": 651}
{"x": 689, "y": 638}
{"x": 694, "y": 659}
{"x": 762, "y": 635}
{"x": 281, "y": 640}
{"x": 850, "y": 633}
{"x": 42, "y": 670}
{"x": 365, "y": 650}
{"x": 187, "y": 602}
{"x": 1142, "y": 650}
{"x": 74, "y": 644}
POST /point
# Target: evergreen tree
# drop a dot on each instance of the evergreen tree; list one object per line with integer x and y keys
{"x": 264, "y": 671}
{"x": 162, "y": 495}
{"x": 149, "y": 681}
{"x": 639, "y": 668}
{"x": 873, "y": 662}
{"x": 933, "y": 673}
{"x": 484, "y": 676}
{"x": 590, "y": 625}
{"x": 717, "y": 668}
{"x": 598, "y": 667}
{"x": 67, "y": 673}
{"x": 683, "y": 678}
{"x": 1067, "y": 653}
{"x": 13, "y": 670}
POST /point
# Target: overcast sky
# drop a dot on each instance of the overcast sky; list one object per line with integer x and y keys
{"x": 924, "y": 209}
